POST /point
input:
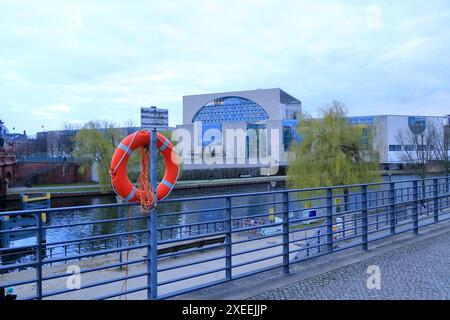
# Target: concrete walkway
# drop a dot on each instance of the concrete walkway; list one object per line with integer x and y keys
{"x": 411, "y": 267}
{"x": 417, "y": 271}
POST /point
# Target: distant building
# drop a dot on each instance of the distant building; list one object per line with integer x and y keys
{"x": 263, "y": 121}
{"x": 12, "y": 140}
{"x": 59, "y": 143}
{"x": 7, "y": 160}
{"x": 3, "y": 130}
{"x": 385, "y": 130}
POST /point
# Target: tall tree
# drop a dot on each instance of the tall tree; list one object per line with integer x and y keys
{"x": 425, "y": 150}
{"x": 331, "y": 152}
{"x": 96, "y": 143}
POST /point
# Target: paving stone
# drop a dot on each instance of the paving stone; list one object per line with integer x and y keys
{"x": 417, "y": 271}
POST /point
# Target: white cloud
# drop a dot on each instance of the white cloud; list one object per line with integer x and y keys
{"x": 52, "y": 111}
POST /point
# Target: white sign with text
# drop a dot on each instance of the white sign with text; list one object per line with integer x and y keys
{"x": 154, "y": 118}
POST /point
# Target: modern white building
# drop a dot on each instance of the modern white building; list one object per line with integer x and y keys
{"x": 254, "y": 129}
{"x": 237, "y": 129}
{"x": 386, "y": 131}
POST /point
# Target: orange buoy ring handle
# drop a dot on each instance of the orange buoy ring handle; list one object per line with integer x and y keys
{"x": 123, "y": 186}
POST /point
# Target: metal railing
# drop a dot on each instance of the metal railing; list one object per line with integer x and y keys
{"x": 39, "y": 157}
{"x": 312, "y": 246}
{"x": 252, "y": 233}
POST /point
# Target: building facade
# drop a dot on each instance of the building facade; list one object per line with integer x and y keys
{"x": 237, "y": 129}
{"x": 394, "y": 136}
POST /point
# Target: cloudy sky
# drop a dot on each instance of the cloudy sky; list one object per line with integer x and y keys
{"x": 72, "y": 61}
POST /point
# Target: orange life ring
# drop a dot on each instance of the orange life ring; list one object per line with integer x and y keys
{"x": 122, "y": 185}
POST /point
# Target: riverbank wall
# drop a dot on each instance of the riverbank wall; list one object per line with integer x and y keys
{"x": 95, "y": 190}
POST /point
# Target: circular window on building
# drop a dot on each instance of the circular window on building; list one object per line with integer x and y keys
{"x": 227, "y": 109}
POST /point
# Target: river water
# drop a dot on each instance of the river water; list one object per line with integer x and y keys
{"x": 65, "y": 233}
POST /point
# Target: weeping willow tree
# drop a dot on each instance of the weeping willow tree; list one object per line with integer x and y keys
{"x": 332, "y": 152}
{"x": 95, "y": 142}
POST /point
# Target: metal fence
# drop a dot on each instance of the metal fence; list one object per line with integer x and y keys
{"x": 204, "y": 241}
{"x": 43, "y": 157}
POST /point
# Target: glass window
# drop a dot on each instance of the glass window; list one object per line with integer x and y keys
{"x": 422, "y": 147}
{"x": 291, "y": 114}
{"x": 365, "y": 136}
{"x": 256, "y": 140}
{"x": 230, "y": 109}
{"x": 290, "y": 135}
{"x": 395, "y": 147}
{"x": 211, "y": 137}
{"x": 367, "y": 120}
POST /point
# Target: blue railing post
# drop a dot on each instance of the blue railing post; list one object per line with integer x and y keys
{"x": 392, "y": 213}
{"x": 436, "y": 200}
{"x": 152, "y": 265}
{"x": 364, "y": 218}
{"x": 318, "y": 242}
{"x": 4, "y": 237}
{"x": 330, "y": 220}
{"x": 285, "y": 232}
{"x": 39, "y": 256}
{"x": 415, "y": 210}
{"x": 447, "y": 189}
{"x": 118, "y": 238}
{"x": 228, "y": 240}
